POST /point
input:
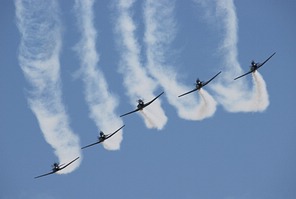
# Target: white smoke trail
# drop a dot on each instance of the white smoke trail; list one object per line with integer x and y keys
{"x": 136, "y": 80}
{"x": 235, "y": 96}
{"x": 40, "y": 45}
{"x": 148, "y": 121}
{"x": 101, "y": 102}
{"x": 208, "y": 104}
{"x": 160, "y": 31}
{"x": 256, "y": 100}
{"x": 261, "y": 93}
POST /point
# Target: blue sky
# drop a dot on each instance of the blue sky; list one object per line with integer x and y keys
{"x": 70, "y": 68}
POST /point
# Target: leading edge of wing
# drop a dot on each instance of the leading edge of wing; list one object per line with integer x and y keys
{"x": 188, "y": 92}
{"x": 212, "y": 78}
{"x": 266, "y": 60}
{"x": 130, "y": 112}
{"x": 69, "y": 163}
{"x": 154, "y": 99}
{"x": 115, "y": 132}
{"x": 98, "y": 142}
{"x": 243, "y": 75}
{"x": 52, "y": 172}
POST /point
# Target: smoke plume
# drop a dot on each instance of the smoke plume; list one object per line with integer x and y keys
{"x": 136, "y": 80}
{"x": 40, "y": 46}
{"x": 235, "y": 96}
{"x": 101, "y": 102}
{"x": 160, "y": 32}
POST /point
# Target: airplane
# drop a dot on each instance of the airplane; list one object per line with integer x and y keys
{"x": 199, "y": 84}
{"x": 103, "y": 137}
{"x": 254, "y": 66}
{"x": 57, "y": 167}
{"x": 141, "y": 105}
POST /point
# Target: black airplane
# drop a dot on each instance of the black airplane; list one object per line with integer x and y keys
{"x": 57, "y": 167}
{"x": 103, "y": 137}
{"x": 199, "y": 84}
{"x": 141, "y": 105}
{"x": 254, "y": 66}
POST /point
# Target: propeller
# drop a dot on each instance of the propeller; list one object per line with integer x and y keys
{"x": 253, "y": 63}
{"x": 55, "y": 165}
{"x": 141, "y": 101}
{"x": 102, "y": 135}
{"x": 198, "y": 82}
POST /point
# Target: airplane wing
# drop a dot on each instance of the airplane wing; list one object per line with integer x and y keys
{"x": 243, "y": 75}
{"x": 201, "y": 86}
{"x": 144, "y": 105}
{"x": 153, "y": 99}
{"x": 110, "y": 135}
{"x": 188, "y": 92}
{"x": 69, "y": 163}
{"x": 257, "y": 67}
{"x": 52, "y": 172}
{"x": 211, "y": 79}
{"x": 130, "y": 112}
{"x": 266, "y": 60}
{"x": 98, "y": 142}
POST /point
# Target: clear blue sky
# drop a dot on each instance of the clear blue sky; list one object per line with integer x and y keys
{"x": 222, "y": 153}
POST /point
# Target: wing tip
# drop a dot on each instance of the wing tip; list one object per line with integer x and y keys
{"x": 122, "y": 115}
{"x": 86, "y": 146}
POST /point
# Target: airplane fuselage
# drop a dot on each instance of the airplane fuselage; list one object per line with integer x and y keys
{"x": 141, "y": 104}
{"x": 102, "y": 136}
{"x": 55, "y": 169}
{"x": 198, "y": 85}
{"x": 55, "y": 166}
{"x": 254, "y": 67}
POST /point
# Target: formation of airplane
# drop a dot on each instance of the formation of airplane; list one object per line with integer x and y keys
{"x": 199, "y": 84}
{"x": 103, "y": 137}
{"x": 254, "y": 66}
{"x": 141, "y": 105}
{"x": 57, "y": 167}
